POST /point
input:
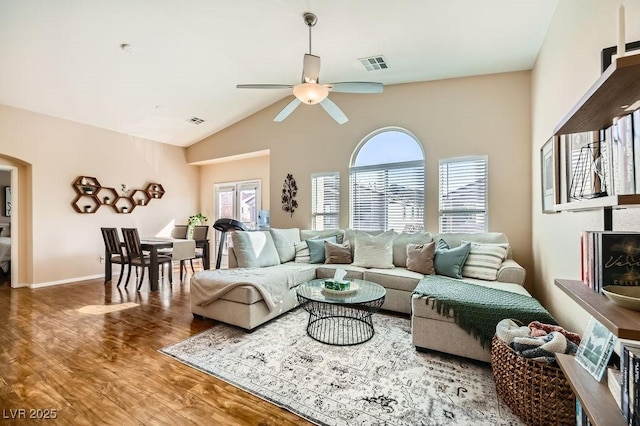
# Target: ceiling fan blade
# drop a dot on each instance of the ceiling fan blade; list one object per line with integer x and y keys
{"x": 287, "y": 110}
{"x": 333, "y": 110}
{"x": 355, "y": 87}
{"x": 264, "y": 86}
{"x": 310, "y": 68}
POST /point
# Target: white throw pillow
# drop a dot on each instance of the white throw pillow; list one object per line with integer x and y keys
{"x": 484, "y": 260}
{"x": 303, "y": 255}
{"x": 374, "y": 251}
{"x": 254, "y": 249}
{"x": 285, "y": 241}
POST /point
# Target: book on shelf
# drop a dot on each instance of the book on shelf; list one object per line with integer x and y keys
{"x": 636, "y": 147}
{"x": 630, "y": 382}
{"x": 610, "y": 258}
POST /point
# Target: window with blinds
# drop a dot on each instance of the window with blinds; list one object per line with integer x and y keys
{"x": 325, "y": 201}
{"x": 463, "y": 194}
{"x": 386, "y": 181}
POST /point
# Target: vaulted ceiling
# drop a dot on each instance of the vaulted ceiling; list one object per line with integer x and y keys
{"x": 65, "y": 58}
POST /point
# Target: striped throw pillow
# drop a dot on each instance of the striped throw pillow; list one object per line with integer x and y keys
{"x": 484, "y": 260}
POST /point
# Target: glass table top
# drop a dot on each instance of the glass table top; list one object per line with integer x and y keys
{"x": 366, "y": 292}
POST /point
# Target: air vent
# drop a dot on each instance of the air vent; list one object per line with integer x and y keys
{"x": 195, "y": 120}
{"x": 374, "y": 63}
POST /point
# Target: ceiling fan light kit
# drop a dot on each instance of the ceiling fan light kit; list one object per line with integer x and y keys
{"x": 310, "y": 91}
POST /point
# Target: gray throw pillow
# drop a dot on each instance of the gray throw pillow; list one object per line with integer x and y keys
{"x": 449, "y": 261}
{"x": 420, "y": 257}
{"x": 337, "y": 253}
{"x": 316, "y": 249}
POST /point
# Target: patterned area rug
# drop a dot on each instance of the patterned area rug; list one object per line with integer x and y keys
{"x": 384, "y": 381}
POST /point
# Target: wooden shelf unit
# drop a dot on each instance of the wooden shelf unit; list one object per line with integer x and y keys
{"x": 623, "y": 322}
{"x": 616, "y": 89}
{"x": 595, "y": 396}
{"x": 614, "y": 201}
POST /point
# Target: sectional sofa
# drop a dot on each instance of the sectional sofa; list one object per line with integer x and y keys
{"x": 280, "y": 257}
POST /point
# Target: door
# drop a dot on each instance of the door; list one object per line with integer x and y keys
{"x": 239, "y": 201}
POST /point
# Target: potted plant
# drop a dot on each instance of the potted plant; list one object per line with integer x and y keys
{"x": 195, "y": 220}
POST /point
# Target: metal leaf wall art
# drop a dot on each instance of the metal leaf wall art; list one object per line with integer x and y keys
{"x": 289, "y": 192}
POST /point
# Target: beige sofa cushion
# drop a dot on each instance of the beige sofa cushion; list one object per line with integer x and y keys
{"x": 329, "y": 270}
{"x": 397, "y": 278}
{"x": 285, "y": 241}
{"x": 254, "y": 249}
{"x": 400, "y": 242}
{"x": 454, "y": 239}
{"x": 307, "y": 234}
{"x": 374, "y": 251}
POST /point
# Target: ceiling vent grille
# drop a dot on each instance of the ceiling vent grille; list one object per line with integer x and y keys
{"x": 374, "y": 63}
{"x": 195, "y": 120}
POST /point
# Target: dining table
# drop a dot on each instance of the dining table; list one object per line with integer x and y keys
{"x": 152, "y": 245}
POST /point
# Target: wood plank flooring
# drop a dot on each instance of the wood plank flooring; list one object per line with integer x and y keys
{"x": 105, "y": 369}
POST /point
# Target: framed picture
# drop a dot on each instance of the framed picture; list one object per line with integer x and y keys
{"x": 550, "y": 174}
{"x": 595, "y": 349}
{"x": 7, "y": 201}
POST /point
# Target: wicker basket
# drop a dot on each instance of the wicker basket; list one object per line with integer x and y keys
{"x": 535, "y": 391}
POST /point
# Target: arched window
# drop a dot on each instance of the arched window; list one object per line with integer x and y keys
{"x": 387, "y": 182}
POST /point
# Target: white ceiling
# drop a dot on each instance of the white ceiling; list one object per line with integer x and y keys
{"x": 63, "y": 58}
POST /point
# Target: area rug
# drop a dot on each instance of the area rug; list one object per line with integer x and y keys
{"x": 384, "y": 381}
{"x": 105, "y": 309}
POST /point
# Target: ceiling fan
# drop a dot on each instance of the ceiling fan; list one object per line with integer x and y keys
{"x": 310, "y": 91}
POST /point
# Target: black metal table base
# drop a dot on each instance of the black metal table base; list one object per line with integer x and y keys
{"x": 340, "y": 324}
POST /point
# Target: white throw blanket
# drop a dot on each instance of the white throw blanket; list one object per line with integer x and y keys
{"x": 273, "y": 284}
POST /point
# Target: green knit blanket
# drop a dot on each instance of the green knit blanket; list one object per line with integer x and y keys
{"x": 477, "y": 309}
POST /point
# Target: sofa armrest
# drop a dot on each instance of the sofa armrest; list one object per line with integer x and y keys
{"x": 511, "y": 272}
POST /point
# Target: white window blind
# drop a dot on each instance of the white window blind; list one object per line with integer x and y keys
{"x": 325, "y": 201}
{"x": 463, "y": 194}
{"x": 387, "y": 196}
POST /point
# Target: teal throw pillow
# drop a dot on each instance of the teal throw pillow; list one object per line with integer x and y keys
{"x": 449, "y": 261}
{"x": 316, "y": 249}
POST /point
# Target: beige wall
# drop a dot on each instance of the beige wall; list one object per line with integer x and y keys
{"x": 60, "y": 244}
{"x": 568, "y": 64}
{"x": 255, "y": 168}
{"x": 486, "y": 115}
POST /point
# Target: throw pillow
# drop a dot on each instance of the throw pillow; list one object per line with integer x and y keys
{"x": 449, "y": 261}
{"x": 316, "y": 249}
{"x": 337, "y": 253}
{"x": 254, "y": 249}
{"x": 302, "y": 252}
{"x": 420, "y": 257}
{"x": 400, "y": 242}
{"x": 6, "y": 230}
{"x": 285, "y": 241}
{"x": 374, "y": 251}
{"x": 484, "y": 260}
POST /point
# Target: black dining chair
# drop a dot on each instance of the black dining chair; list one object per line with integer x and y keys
{"x": 137, "y": 258}
{"x": 113, "y": 250}
{"x": 200, "y": 233}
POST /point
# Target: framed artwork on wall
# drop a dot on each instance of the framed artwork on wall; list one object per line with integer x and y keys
{"x": 7, "y": 201}
{"x": 549, "y": 155}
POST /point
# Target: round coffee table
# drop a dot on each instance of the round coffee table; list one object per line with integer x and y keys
{"x": 340, "y": 319}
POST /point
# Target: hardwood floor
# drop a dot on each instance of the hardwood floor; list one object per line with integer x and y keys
{"x": 105, "y": 369}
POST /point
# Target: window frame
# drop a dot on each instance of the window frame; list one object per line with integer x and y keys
{"x": 383, "y": 167}
{"x": 457, "y": 211}
{"x": 314, "y": 213}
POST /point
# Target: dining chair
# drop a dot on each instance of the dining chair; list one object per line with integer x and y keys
{"x": 199, "y": 233}
{"x": 180, "y": 232}
{"x": 137, "y": 257}
{"x": 113, "y": 250}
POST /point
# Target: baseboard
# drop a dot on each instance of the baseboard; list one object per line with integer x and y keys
{"x": 67, "y": 281}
